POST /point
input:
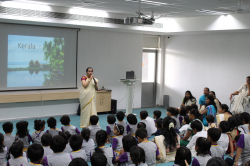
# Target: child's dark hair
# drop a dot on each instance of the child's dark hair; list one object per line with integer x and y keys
{"x": 120, "y": 115}
{"x": 128, "y": 141}
{"x": 65, "y": 120}
{"x": 101, "y": 138}
{"x": 144, "y": 114}
{"x": 245, "y": 116}
{"x": 94, "y": 120}
{"x": 65, "y": 134}
{"x": 46, "y": 138}
{"x": 159, "y": 122}
{"x": 75, "y": 142}
{"x": 35, "y": 152}
{"x": 137, "y": 155}
{"x": 141, "y": 133}
{"x": 239, "y": 118}
{"x": 225, "y": 126}
{"x": 78, "y": 162}
{"x": 237, "y": 138}
{"x": 196, "y": 125}
{"x": 111, "y": 119}
{"x": 119, "y": 128}
{"x": 22, "y": 128}
{"x": 131, "y": 118}
{"x": 169, "y": 133}
{"x": 98, "y": 159}
{"x": 186, "y": 119}
{"x": 183, "y": 111}
{"x": 1, "y": 142}
{"x": 216, "y": 161}
{"x": 157, "y": 114}
{"x": 85, "y": 134}
{"x": 58, "y": 143}
{"x": 188, "y": 108}
{"x": 141, "y": 125}
{"x": 203, "y": 145}
{"x": 214, "y": 134}
{"x": 194, "y": 106}
{"x": 38, "y": 124}
{"x": 7, "y": 127}
{"x": 195, "y": 112}
{"x": 247, "y": 163}
{"x": 182, "y": 154}
{"x": 16, "y": 148}
{"x": 173, "y": 111}
{"x": 233, "y": 123}
{"x": 210, "y": 118}
{"x": 52, "y": 122}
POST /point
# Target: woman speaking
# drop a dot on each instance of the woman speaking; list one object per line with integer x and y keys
{"x": 88, "y": 97}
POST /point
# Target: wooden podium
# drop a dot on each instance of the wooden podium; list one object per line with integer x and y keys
{"x": 103, "y": 101}
{"x": 129, "y": 102}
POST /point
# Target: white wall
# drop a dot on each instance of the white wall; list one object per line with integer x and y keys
{"x": 219, "y": 61}
{"x": 111, "y": 54}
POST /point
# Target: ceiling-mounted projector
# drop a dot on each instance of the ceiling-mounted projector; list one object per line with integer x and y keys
{"x": 138, "y": 21}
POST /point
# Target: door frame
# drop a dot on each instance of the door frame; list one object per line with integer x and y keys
{"x": 156, "y": 60}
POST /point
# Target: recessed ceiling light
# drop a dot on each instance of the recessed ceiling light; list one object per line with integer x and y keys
{"x": 149, "y": 2}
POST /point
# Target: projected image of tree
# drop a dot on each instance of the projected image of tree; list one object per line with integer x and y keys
{"x": 39, "y": 60}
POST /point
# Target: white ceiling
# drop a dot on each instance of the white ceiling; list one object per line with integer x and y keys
{"x": 163, "y": 8}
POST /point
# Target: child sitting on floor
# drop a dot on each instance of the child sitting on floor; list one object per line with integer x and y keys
{"x": 65, "y": 120}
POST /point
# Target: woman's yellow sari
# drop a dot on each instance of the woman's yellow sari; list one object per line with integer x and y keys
{"x": 88, "y": 102}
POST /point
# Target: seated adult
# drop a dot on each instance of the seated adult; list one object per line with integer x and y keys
{"x": 188, "y": 100}
{"x": 240, "y": 102}
{"x": 202, "y": 100}
{"x": 168, "y": 142}
{"x": 217, "y": 101}
{"x": 224, "y": 114}
{"x": 208, "y": 109}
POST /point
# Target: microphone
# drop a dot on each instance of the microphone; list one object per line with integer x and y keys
{"x": 94, "y": 80}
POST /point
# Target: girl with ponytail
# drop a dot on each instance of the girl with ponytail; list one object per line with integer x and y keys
{"x": 88, "y": 143}
{"x": 101, "y": 139}
{"x": 39, "y": 126}
{"x": 137, "y": 155}
{"x": 169, "y": 141}
{"x": 3, "y": 150}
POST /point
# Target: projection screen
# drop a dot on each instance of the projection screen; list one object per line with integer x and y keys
{"x": 37, "y": 57}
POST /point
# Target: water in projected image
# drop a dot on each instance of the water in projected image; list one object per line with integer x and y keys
{"x": 35, "y": 61}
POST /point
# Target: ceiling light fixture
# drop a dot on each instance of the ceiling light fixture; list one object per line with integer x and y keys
{"x": 150, "y": 2}
{"x": 210, "y": 11}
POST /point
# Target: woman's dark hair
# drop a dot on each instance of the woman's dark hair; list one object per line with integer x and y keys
{"x": 58, "y": 143}
{"x": 225, "y": 107}
{"x": 195, "y": 112}
{"x": 183, "y": 111}
{"x": 195, "y": 106}
{"x": 233, "y": 123}
{"x": 1, "y": 142}
{"x": 46, "y": 138}
{"x": 187, "y": 120}
{"x": 141, "y": 125}
{"x": 89, "y": 68}
{"x": 157, "y": 113}
{"x": 35, "y": 152}
{"x": 128, "y": 141}
{"x": 225, "y": 126}
{"x": 111, "y": 119}
{"x": 65, "y": 120}
{"x": 98, "y": 158}
{"x": 182, "y": 154}
{"x": 38, "y": 124}
{"x": 211, "y": 99}
{"x": 173, "y": 111}
{"x": 216, "y": 161}
{"x": 213, "y": 93}
{"x": 51, "y": 122}
{"x": 192, "y": 98}
{"x": 7, "y": 127}
{"x": 78, "y": 162}
{"x": 101, "y": 138}
{"x": 248, "y": 77}
{"x": 85, "y": 134}
{"x": 120, "y": 129}
{"x": 22, "y": 129}
{"x": 131, "y": 118}
{"x": 203, "y": 145}
{"x": 169, "y": 133}
{"x": 137, "y": 155}
{"x": 159, "y": 122}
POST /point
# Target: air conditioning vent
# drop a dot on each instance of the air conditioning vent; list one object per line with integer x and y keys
{"x": 3, "y": 9}
{"x": 13, "y": 11}
{"x": 30, "y": 13}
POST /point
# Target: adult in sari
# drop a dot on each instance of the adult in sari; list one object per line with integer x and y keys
{"x": 224, "y": 114}
{"x": 217, "y": 101}
{"x": 168, "y": 142}
{"x": 240, "y": 98}
{"x": 208, "y": 109}
{"x": 88, "y": 97}
{"x": 188, "y": 100}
